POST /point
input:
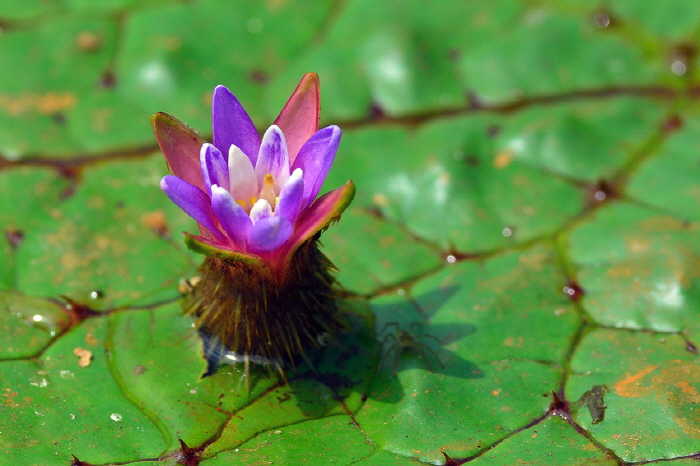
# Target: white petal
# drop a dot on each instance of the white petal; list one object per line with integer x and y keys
{"x": 241, "y": 175}
{"x": 261, "y": 209}
{"x": 296, "y": 174}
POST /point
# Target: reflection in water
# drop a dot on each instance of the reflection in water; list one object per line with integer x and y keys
{"x": 34, "y": 312}
{"x": 669, "y": 294}
{"x": 401, "y": 186}
{"x": 156, "y": 76}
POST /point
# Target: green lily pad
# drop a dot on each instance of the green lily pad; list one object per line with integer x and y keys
{"x": 21, "y": 214}
{"x": 172, "y": 57}
{"x": 6, "y": 266}
{"x": 638, "y": 268}
{"x": 110, "y": 5}
{"x": 517, "y": 273}
{"x": 353, "y": 246}
{"x": 98, "y": 423}
{"x": 331, "y": 440}
{"x": 586, "y": 141}
{"x": 676, "y": 19}
{"x": 85, "y": 250}
{"x": 188, "y": 407}
{"x": 583, "y": 57}
{"x": 652, "y": 398}
{"x": 404, "y": 60}
{"x": 452, "y": 183}
{"x": 61, "y": 60}
{"x": 28, "y": 325}
{"x": 23, "y": 10}
{"x": 671, "y": 180}
{"x": 21, "y": 211}
{"x": 458, "y": 339}
{"x": 550, "y": 443}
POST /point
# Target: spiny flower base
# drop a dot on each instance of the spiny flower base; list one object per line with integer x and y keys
{"x": 260, "y": 321}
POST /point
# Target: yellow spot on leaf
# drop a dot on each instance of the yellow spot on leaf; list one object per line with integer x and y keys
{"x": 45, "y": 104}
{"x": 692, "y": 392}
{"x": 84, "y": 356}
{"x": 90, "y": 339}
{"x": 380, "y": 199}
{"x": 637, "y": 245}
{"x": 88, "y": 41}
{"x": 503, "y": 159}
{"x": 9, "y": 398}
{"x": 155, "y": 221}
{"x": 70, "y": 260}
{"x": 629, "y": 387}
{"x": 514, "y": 342}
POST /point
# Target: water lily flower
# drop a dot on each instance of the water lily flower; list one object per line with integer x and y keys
{"x": 266, "y": 291}
{"x": 254, "y": 198}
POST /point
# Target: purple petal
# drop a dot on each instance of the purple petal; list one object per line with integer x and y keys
{"x": 214, "y": 166}
{"x": 269, "y": 233}
{"x": 291, "y": 196}
{"x": 273, "y": 157}
{"x": 232, "y": 217}
{"x": 315, "y": 159}
{"x": 232, "y": 125}
{"x": 191, "y": 200}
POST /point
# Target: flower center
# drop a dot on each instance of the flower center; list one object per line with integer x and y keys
{"x": 269, "y": 191}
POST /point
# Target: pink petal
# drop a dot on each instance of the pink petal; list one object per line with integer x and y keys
{"x": 180, "y": 145}
{"x": 318, "y": 216}
{"x": 299, "y": 117}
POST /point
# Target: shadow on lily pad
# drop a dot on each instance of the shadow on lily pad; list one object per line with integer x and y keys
{"x": 411, "y": 342}
{"x": 380, "y": 342}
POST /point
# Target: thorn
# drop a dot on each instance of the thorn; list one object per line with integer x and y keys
{"x": 672, "y": 123}
{"x": 573, "y": 290}
{"x": 78, "y": 312}
{"x": 376, "y": 111}
{"x": 450, "y": 461}
{"x": 14, "y": 237}
{"x": 601, "y": 192}
{"x": 76, "y": 462}
{"x": 187, "y": 456}
{"x": 559, "y": 406}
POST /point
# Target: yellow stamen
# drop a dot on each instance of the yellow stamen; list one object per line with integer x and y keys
{"x": 268, "y": 189}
